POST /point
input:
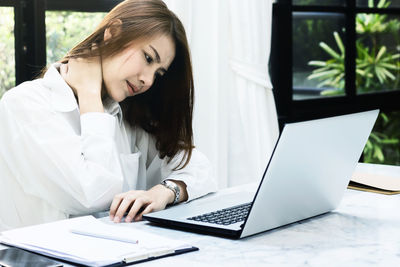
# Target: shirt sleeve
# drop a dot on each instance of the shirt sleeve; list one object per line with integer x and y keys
{"x": 197, "y": 174}
{"x": 76, "y": 172}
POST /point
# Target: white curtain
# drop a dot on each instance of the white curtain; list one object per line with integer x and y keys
{"x": 235, "y": 121}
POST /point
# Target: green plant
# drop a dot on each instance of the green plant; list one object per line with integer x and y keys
{"x": 65, "y": 29}
{"x": 377, "y": 69}
{"x": 330, "y": 72}
{"x": 373, "y": 151}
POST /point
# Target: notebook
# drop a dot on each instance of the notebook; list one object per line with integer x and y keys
{"x": 376, "y": 178}
{"x": 88, "y": 241}
{"x": 306, "y": 176}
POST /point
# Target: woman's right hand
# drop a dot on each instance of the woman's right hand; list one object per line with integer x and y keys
{"x": 84, "y": 76}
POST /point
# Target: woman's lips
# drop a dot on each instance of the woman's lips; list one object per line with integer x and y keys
{"x": 132, "y": 89}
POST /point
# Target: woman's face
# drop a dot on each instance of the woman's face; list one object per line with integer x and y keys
{"x": 133, "y": 70}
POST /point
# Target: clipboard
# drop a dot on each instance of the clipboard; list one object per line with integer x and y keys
{"x": 17, "y": 257}
{"x": 57, "y": 240}
{"x": 174, "y": 253}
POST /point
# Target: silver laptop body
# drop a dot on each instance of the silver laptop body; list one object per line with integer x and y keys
{"x": 306, "y": 176}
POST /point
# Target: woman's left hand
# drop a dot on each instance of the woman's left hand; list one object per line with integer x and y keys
{"x": 139, "y": 202}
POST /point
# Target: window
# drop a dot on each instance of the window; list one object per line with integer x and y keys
{"x": 65, "y": 29}
{"x": 7, "y": 54}
{"x": 44, "y": 32}
{"x": 309, "y": 28}
{"x": 333, "y": 57}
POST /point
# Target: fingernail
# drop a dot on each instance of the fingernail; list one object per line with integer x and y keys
{"x": 116, "y": 219}
{"x": 111, "y": 217}
{"x": 128, "y": 219}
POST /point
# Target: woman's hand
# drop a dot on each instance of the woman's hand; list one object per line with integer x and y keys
{"x": 139, "y": 202}
{"x": 84, "y": 76}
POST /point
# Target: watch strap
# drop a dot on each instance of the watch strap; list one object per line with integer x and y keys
{"x": 174, "y": 187}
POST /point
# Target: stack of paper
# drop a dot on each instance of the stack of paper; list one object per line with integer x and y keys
{"x": 97, "y": 244}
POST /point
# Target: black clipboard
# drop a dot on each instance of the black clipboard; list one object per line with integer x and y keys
{"x": 17, "y": 257}
{"x": 176, "y": 252}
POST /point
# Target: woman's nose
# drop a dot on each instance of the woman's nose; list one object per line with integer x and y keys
{"x": 147, "y": 79}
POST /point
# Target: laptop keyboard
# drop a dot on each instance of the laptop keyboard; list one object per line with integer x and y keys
{"x": 225, "y": 216}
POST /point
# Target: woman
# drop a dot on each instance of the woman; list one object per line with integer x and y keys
{"x": 113, "y": 116}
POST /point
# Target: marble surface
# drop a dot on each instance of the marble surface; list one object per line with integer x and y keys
{"x": 363, "y": 231}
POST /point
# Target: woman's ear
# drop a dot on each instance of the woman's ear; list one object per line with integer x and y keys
{"x": 113, "y": 30}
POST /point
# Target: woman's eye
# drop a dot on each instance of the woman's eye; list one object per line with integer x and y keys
{"x": 149, "y": 59}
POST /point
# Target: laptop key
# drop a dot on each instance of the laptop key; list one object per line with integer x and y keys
{"x": 225, "y": 216}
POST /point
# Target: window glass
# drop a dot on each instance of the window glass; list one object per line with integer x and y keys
{"x": 318, "y": 55}
{"x": 7, "y": 52}
{"x": 318, "y": 2}
{"x": 383, "y": 146}
{"x": 378, "y": 3}
{"x": 65, "y": 29}
{"x": 378, "y": 52}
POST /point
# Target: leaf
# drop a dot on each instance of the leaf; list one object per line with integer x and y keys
{"x": 322, "y": 74}
{"x": 383, "y": 4}
{"x": 378, "y": 154}
{"x": 384, "y": 117}
{"x": 374, "y": 136}
{"x": 361, "y": 72}
{"x": 317, "y": 63}
{"x": 370, "y": 3}
{"x": 332, "y": 92}
{"x": 388, "y": 66}
{"x": 380, "y": 75}
{"x": 329, "y": 50}
{"x": 392, "y": 141}
{"x": 339, "y": 42}
{"x": 382, "y": 50}
{"x": 388, "y": 74}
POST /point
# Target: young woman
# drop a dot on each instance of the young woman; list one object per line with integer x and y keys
{"x": 109, "y": 126}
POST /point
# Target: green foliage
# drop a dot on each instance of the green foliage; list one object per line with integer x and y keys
{"x": 306, "y": 29}
{"x": 377, "y": 69}
{"x": 65, "y": 29}
{"x": 383, "y": 143}
{"x": 330, "y": 72}
{"x": 7, "y": 59}
{"x": 374, "y": 69}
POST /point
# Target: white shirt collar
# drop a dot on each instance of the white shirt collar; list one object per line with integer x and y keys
{"x": 62, "y": 96}
{"x": 113, "y": 108}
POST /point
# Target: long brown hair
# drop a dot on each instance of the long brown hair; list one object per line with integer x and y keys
{"x": 166, "y": 109}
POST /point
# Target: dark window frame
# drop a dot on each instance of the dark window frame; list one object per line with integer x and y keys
{"x": 281, "y": 68}
{"x": 30, "y": 29}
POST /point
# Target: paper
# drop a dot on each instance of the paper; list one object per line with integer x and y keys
{"x": 56, "y": 240}
{"x": 376, "y": 178}
{"x": 105, "y": 231}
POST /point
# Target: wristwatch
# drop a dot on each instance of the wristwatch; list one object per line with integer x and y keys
{"x": 174, "y": 187}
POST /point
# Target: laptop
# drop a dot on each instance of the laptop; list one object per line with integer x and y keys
{"x": 306, "y": 176}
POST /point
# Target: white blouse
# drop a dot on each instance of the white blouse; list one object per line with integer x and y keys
{"x": 55, "y": 162}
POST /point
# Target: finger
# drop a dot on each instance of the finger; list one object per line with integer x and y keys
{"x": 115, "y": 204}
{"x": 64, "y": 69}
{"x": 139, "y": 204}
{"x": 148, "y": 209}
{"x": 123, "y": 207}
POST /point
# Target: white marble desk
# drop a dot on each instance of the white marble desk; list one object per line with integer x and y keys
{"x": 363, "y": 231}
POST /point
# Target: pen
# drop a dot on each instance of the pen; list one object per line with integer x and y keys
{"x": 104, "y": 235}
